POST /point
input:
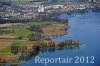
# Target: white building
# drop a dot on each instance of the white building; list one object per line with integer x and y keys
{"x": 41, "y": 9}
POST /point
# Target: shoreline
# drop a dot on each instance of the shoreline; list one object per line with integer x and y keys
{"x": 42, "y": 41}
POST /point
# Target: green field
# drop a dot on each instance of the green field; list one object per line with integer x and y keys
{"x": 19, "y": 31}
{"x": 23, "y": 30}
{"x": 7, "y": 50}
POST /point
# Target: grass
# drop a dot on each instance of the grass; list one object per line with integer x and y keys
{"x": 40, "y": 23}
{"x": 23, "y": 31}
{"x": 7, "y": 50}
{"x": 19, "y": 31}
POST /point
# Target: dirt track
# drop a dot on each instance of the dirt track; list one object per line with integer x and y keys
{"x": 5, "y": 25}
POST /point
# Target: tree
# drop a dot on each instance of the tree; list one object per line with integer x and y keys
{"x": 35, "y": 37}
{"x": 15, "y": 49}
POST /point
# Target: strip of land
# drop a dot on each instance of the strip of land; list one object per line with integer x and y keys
{"x": 6, "y": 25}
{"x": 3, "y": 45}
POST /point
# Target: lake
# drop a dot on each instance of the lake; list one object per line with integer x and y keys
{"x": 84, "y": 27}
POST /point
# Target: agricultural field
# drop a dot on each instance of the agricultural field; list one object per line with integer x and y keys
{"x": 25, "y": 34}
{"x": 20, "y": 31}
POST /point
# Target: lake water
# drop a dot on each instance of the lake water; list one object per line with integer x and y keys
{"x": 84, "y": 27}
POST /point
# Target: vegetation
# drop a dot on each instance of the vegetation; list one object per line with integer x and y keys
{"x": 22, "y": 31}
{"x": 7, "y": 50}
{"x": 35, "y": 37}
{"x": 35, "y": 28}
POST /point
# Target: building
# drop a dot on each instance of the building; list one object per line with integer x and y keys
{"x": 41, "y": 9}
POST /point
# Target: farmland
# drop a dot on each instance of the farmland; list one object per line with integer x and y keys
{"x": 20, "y": 31}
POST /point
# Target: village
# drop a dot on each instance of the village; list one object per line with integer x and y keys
{"x": 14, "y": 10}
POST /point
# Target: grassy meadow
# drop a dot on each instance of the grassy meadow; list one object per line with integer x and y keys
{"x": 19, "y": 31}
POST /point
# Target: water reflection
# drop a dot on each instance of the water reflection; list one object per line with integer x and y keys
{"x": 2, "y": 65}
{"x": 67, "y": 47}
{"x": 50, "y": 50}
{"x": 8, "y": 65}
